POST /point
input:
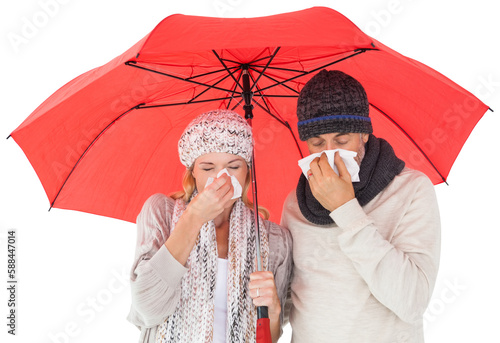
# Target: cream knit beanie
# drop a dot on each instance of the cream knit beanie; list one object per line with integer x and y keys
{"x": 216, "y": 131}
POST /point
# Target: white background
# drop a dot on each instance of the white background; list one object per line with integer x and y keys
{"x": 73, "y": 267}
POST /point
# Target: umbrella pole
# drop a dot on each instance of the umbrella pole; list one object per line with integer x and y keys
{"x": 263, "y": 330}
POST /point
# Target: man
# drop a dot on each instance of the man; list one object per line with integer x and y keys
{"x": 366, "y": 254}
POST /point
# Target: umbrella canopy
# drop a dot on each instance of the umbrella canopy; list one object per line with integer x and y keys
{"x": 107, "y": 140}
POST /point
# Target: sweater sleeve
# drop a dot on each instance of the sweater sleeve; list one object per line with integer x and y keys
{"x": 280, "y": 262}
{"x": 156, "y": 275}
{"x": 401, "y": 270}
{"x": 286, "y": 305}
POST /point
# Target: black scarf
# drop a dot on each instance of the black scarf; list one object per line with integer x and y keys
{"x": 378, "y": 168}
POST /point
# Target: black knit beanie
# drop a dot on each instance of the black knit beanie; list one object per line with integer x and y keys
{"x": 332, "y": 101}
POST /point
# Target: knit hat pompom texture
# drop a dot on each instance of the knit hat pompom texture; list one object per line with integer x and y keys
{"x": 332, "y": 101}
{"x": 216, "y": 131}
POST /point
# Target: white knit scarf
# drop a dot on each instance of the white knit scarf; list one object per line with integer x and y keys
{"x": 193, "y": 319}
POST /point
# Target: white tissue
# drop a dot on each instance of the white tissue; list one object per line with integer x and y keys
{"x": 236, "y": 185}
{"x": 346, "y": 155}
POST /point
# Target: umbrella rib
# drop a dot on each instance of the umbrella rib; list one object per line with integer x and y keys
{"x": 260, "y": 95}
{"x": 277, "y": 96}
{"x": 234, "y": 90}
{"x": 267, "y": 65}
{"x": 227, "y": 69}
{"x": 285, "y": 123}
{"x": 260, "y": 59}
{"x": 133, "y": 64}
{"x": 263, "y": 98}
{"x": 356, "y": 52}
{"x": 142, "y": 106}
{"x": 238, "y": 104}
{"x": 209, "y": 73}
{"x": 87, "y": 149}
{"x": 230, "y": 61}
{"x": 274, "y": 80}
{"x": 283, "y": 69}
{"x": 412, "y": 140}
{"x": 236, "y": 62}
{"x": 206, "y": 90}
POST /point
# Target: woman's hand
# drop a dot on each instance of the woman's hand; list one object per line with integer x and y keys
{"x": 211, "y": 202}
{"x": 331, "y": 190}
{"x": 263, "y": 292}
{"x": 206, "y": 206}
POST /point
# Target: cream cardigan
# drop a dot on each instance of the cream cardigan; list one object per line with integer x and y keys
{"x": 370, "y": 276}
{"x": 156, "y": 275}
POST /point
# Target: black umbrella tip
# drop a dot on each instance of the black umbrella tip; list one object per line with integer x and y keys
{"x": 8, "y": 137}
{"x": 491, "y": 109}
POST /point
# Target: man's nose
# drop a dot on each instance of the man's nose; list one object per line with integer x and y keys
{"x": 331, "y": 146}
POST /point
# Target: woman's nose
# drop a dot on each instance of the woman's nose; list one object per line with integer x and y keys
{"x": 218, "y": 170}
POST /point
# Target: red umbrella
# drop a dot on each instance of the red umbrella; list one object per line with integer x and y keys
{"x": 106, "y": 141}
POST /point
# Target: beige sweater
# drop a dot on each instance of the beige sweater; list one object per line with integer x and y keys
{"x": 156, "y": 275}
{"x": 370, "y": 278}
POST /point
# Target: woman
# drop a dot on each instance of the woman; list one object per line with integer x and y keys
{"x": 194, "y": 279}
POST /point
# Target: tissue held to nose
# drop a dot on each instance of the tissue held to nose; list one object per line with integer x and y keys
{"x": 346, "y": 155}
{"x": 236, "y": 185}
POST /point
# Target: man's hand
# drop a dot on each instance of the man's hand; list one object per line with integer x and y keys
{"x": 330, "y": 189}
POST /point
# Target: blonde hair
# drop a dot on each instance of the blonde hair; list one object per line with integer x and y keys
{"x": 189, "y": 186}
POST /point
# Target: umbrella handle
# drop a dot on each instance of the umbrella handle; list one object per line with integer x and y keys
{"x": 263, "y": 334}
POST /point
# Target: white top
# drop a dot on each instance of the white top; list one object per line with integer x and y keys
{"x": 220, "y": 311}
